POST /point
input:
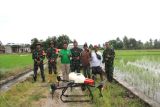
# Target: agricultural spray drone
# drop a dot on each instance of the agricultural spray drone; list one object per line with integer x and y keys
{"x": 76, "y": 80}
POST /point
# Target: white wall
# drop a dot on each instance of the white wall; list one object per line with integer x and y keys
{"x": 8, "y": 49}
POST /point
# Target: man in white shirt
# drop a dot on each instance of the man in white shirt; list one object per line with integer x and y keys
{"x": 96, "y": 62}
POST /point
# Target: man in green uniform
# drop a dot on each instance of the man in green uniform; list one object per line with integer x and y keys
{"x": 75, "y": 54}
{"x": 65, "y": 54}
{"x": 52, "y": 60}
{"x": 38, "y": 56}
{"x": 108, "y": 59}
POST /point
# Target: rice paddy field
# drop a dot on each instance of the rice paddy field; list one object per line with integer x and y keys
{"x": 11, "y": 64}
{"x": 141, "y": 69}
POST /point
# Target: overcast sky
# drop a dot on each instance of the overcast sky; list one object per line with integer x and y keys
{"x": 92, "y": 21}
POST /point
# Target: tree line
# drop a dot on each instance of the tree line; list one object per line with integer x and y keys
{"x": 125, "y": 43}
{"x": 132, "y": 43}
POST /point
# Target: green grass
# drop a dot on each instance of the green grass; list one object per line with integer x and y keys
{"x": 26, "y": 93}
{"x": 11, "y": 64}
{"x": 116, "y": 96}
{"x": 22, "y": 94}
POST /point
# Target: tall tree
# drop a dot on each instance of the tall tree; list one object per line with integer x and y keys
{"x": 99, "y": 45}
{"x": 113, "y": 43}
{"x": 46, "y": 43}
{"x": 90, "y": 46}
{"x": 147, "y": 45}
{"x": 34, "y": 41}
{"x": 118, "y": 39}
{"x": 132, "y": 43}
{"x": 119, "y": 43}
{"x": 139, "y": 44}
{"x": 151, "y": 43}
{"x": 61, "y": 39}
{"x": 125, "y": 42}
{"x": 156, "y": 44}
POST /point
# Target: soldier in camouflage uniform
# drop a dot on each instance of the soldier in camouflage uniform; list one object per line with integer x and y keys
{"x": 52, "y": 60}
{"x": 38, "y": 56}
{"x": 75, "y": 54}
{"x": 108, "y": 59}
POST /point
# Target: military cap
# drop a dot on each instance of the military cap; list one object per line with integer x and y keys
{"x": 51, "y": 42}
{"x": 85, "y": 45}
{"x": 74, "y": 41}
{"x": 95, "y": 46}
{"x": 106, "y": 43}
{"x": 65, "y": 42}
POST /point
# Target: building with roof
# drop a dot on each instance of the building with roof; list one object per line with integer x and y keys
{"x": 17, "y": 48}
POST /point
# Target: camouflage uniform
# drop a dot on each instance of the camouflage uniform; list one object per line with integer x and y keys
{"x": 75, "y": 62}
{"x": 108, "y": 59}
{"x": 52, "y": 57}
{"x": 38, "y": 57}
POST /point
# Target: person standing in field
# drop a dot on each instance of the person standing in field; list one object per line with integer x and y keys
{"x": 52, "y": 60}
{"x": 75, "y": 54}
{"x": 85, "y": 59}
{"x": 65, "y": 54}
{"x": 96, "y": 61}
{"x": 108, "y": 59}
{"x": 38, "y": 56}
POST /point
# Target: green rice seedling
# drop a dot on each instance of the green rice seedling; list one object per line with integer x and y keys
{"x": 141, "y": 69}
{"x": 11, "y": 64}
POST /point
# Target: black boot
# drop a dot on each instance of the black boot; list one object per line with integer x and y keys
{"x": 55, "y": 72}
{"x": 43, "y": 80}
{"x": 34, "y": 78}
{"x": 94, "y": 77}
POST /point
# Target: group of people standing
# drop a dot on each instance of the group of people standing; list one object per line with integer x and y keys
{"x": 72, "y": 60}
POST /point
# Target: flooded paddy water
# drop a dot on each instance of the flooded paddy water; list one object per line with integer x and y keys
{"x": 142, "y": 72}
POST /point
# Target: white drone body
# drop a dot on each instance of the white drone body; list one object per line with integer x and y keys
{"x": 77, "y": 77}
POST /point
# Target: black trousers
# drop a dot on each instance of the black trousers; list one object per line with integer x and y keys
{"x": 41, "y": 70}
{"x": 75, "y": 66}
{"x": 109, "y": 71}
{"x": 52, "y": 67}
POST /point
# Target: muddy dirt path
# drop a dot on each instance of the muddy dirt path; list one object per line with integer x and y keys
{"x": 56, "y": 101}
